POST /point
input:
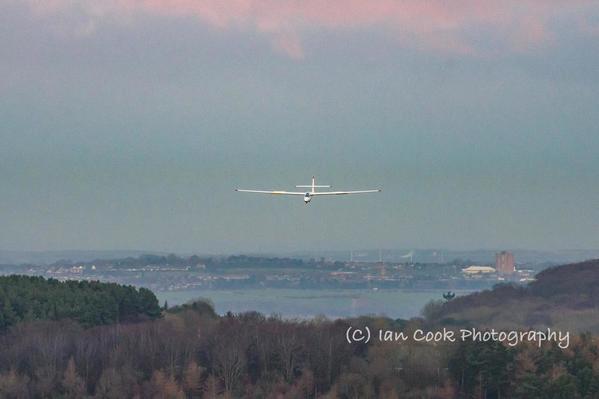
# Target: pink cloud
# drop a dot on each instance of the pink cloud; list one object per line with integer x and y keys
{"x": 438, "y": 25}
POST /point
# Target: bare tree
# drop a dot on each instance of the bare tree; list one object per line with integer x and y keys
{"x": 192, "y": 380}
{"x": 228, "y": 353}
{"x": 72, "y": 383}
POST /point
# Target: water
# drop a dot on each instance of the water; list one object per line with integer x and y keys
{"x": 305, "y": 303}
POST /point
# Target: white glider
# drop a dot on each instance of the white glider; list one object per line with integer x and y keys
{"x": 308, "y": 194}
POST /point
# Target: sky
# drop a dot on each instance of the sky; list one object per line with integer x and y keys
{"x": 127, "y": 124}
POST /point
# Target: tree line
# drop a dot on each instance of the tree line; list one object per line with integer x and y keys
{"x": 90, "y": 303}
{"x": 191, "y": 352}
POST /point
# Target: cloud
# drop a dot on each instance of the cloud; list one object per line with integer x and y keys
{"x": 289, "y": 44}
{"x": 430, "y": 25}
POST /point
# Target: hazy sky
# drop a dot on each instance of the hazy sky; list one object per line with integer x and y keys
{"x": 126, "y": 124}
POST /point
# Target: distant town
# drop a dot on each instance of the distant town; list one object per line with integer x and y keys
{"x": 179, "y": 273}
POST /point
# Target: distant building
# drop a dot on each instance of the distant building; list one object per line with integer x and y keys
{"x": 504, "y": 262}
{"x": 474, "y": 270}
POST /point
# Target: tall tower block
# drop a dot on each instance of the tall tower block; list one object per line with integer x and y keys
{"x": 504, "y": 262}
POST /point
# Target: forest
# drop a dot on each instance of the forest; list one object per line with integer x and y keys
{"x": 26, "y": 298}
{"x": 189, "y": 351}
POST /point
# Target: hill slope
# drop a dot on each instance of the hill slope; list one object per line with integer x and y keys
{"x": 562, "y": 297}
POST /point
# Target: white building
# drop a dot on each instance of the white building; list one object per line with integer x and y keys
{"x": 477, "y": 270}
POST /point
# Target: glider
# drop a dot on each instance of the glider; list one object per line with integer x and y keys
{"x": 308, "y": 194}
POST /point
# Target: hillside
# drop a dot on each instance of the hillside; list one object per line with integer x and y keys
{"x": 564, "y": 297}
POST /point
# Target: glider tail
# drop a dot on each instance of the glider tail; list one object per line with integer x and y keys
{"x": 314, "y": 186}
